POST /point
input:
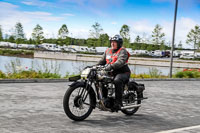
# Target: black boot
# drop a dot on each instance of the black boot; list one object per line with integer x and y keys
{"x": 117, "y": 107}
{"x": 119, "y": 81}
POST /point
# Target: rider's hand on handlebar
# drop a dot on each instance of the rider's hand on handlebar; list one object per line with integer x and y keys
{"x": 108, "y": 67}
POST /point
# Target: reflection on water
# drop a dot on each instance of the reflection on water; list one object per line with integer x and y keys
{"x": 67, "y": 66}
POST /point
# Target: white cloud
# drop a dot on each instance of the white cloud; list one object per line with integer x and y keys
{"x": 144, "y": 28}
{"x": 94, "y": 6}
{"x": 9, "y": 15}
{"x": 186, "y": 4}
{"x": 45, "y": 16}
{"x": 68, "y": 14}
{"x": 27, "y": 2}
{"x": 141, "y": 26}
{"x": 114, "y": 23}
{"x": 95, "y": 3}
{"x": 79, "y": 33}
{"x": 39, "y": 13}
{"x": 37, "y": 3}
{"x": 183, "y": 26}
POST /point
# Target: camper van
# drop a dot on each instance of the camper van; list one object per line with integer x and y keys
{"x": 22, "y": 46}
{"x": 48, "y": 46}
{"x": 140, "y": 52}
{"x": 130, "y": 51}
{"x": 186, "y": 54}
{"x": 79, "y": 48}
{"x": 31, "y": 46}
{"x": 197, "y": 55}
{"x": 177, "y": 53}
{"x": 12, "y": 45}
{"x": 4, "y": 44}
{"x": 100, "y": 50}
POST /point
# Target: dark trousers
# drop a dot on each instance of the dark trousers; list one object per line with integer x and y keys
{"x": 119, "y": 82}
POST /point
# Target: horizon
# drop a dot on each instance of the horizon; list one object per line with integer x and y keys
{"x": 80, "y": 15}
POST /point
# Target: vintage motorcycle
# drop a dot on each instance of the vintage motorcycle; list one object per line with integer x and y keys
{"x": 81, "y": 98}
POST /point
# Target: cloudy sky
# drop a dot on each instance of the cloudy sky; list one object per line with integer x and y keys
{"x": 80, "y": 15}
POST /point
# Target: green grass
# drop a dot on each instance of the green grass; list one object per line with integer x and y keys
{"x": 9, "y": 52}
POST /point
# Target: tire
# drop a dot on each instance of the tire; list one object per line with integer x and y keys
{"x": 131, "y": 111}
{"x": 77, "y": 103}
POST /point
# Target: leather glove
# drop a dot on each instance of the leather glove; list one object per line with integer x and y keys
{"x": 108, "y": 67}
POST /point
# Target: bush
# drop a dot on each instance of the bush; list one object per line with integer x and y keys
{"x": 154, "y": 73}
{"x": 48, "y": 75}
{"x": 140, "y": 76}
{"x": 188, "y": 73}
{"x": 179, "y": 75}
{"x": 2, "y": 75}
{"x": 32, "y": 75}
{"x": 15, "y": 52}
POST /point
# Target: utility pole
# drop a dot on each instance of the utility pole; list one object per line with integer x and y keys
{"x": 173, "y": 37}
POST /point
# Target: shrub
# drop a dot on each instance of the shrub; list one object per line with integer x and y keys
{"x": 32, "y": 75}
{"x": 179, "y": 75}
{"x": 188, "y": 73}
{"x": 48, "y": 75}
{"x": 154, "y": 73}
{"x": 2, "y": 75}
{"x": 140, "y": 76}
{"x": 15, "y": 52}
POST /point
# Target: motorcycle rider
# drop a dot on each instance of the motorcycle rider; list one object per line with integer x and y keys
{"x": 116, "y": 59}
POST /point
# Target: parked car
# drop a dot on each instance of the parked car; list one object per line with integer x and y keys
{"x": 187, "y": 56}
{"x": 165, "y": 53}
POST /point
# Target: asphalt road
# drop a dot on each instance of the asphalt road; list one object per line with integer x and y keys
{"x": 37, "y": 108}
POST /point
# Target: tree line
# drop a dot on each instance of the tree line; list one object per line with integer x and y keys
{"x": 99, "y": 38}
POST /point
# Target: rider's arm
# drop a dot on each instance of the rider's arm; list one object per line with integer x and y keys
{"x": 121, "y": 61}
{"x": 102, "y": 60}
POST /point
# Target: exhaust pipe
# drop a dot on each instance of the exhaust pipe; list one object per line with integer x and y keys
{"x": 130, "y": 106}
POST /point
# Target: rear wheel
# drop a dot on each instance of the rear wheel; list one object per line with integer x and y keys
{"x": 130, "y": 98}
{"x": 77, "y": 105}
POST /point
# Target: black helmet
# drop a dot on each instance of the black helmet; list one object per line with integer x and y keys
{"x": 118, "y": 39}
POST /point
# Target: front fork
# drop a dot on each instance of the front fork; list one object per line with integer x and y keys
{"x": 85, "y": 92}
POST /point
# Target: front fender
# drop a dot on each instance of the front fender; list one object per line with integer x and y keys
{"x": 77, "y": 83}
{"x": 91, "y": 90}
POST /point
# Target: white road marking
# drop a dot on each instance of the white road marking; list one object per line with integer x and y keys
{"x": 179, "y": 129}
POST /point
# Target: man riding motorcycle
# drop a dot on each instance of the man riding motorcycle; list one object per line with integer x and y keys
{"x": 115, "y": 59}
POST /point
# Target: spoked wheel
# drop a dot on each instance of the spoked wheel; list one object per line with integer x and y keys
{"x": 130, "y": 99}
{"x": 77, "y": 103}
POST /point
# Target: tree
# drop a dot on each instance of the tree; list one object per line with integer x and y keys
{"x": 162, "y": 46}
{"x": 1, "y": 34}
{"x": 149, "y": 47}
{"x": 68, "y": 41}
{"x": 137, "y": 39}
{"x": 157, "y": 35}
{"x": 11, "y": 39}
{"x": 91, "y": 42}
{"x": 180, "y": 45}
{"x": 103, "y": 40}
{"x": 63, "y": 32}
{"x": 37, "y": 34}
{"x": 193, "y": 37}
{"x": 125, "y": 33}
{"x": 96, "y": 30}
{"x": 143, "y": 46}
{"x": 19, "y": 33}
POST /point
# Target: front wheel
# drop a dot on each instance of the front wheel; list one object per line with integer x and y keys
{"x": 77, "y": 103}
